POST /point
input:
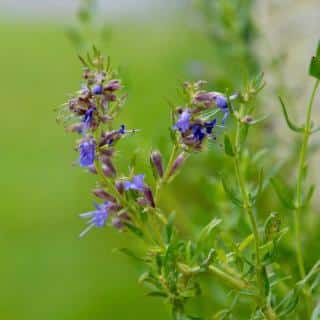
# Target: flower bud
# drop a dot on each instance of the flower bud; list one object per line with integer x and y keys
{"x": 100, "y": 193}
{"x": 107, "y": 152}
{"x": 110, "y": 97}
{"x": 177, "y": 164}
{"x": 149, "y": 197}
{"x": 120, "y": 186}
{"x": 142, "y": 201}
{"x": 118, "y": 221}
{"x": 107, "y": 171}
{"x": 113, "y": 85}
{"x": 75, "y": 127}
{"x": 107, "y": 166}
{"x": 156, "y": 162}
{"x": 247, "y": 119}
{"x": 105, "y": 118}
{"x": 92, "y": 169}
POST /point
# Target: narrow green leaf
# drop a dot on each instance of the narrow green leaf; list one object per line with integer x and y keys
{"x": 89, "y": 59}
{"x": 83, "y": 61}
{"x": 134, "y": 229}
{"x": 245, "y": 243}
{"x": 244, "y": 133}
{"x": 315, "y": 284}
{"x": 129, "y": 253}
{"x": 228, "y": 146}
{"x": 206, "y": 231}
{"x": 288, "y": 303}
{"x": 316, "y": 313}
{"x": 265, "y": 282}
{"x": 258, "y": 120}
{"x": 290, "y": 124}
{"x": 231, "y": 193}
{"x": 309, "y": 195}
{"x": 258, "y": 156}
{"x": 169, "y": 231}
{"x": 282, "y": 193}
{"x": 272, "y": 172}
{"x": 314, "y": 69}
{"x": 255, "y": 193}
{"x": 158, "y": 294}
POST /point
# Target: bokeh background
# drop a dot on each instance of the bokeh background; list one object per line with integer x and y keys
{"x": 46, "y": 272}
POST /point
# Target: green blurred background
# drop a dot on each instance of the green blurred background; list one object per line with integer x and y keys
{"x": 46, "y": 272}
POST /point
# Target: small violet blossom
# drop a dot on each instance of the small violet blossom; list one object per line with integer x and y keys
{"x": 137, "y": 183}
{"x": 219, "y": 99}
{"x": 183, "y": 122}
{"x": 97, "y": 89}
{"x": 210, "y": 125}
{"x": 87, "y": 118}
{"x": 87, "y": 152}
{"x": 96, "y": 218}
{"x": 122, "y": 129}
{"x": 198, "y": 132}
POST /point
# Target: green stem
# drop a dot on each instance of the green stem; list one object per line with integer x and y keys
{"x": 248, "y": 209}
{"x": 269, "y": 313}
{"x": 247, "y": 205}
{"x": 302, "y": 159}
{"x": 165, "y": 177}
{"x": 228, "y": 279}
{"x": 299, "y": 196}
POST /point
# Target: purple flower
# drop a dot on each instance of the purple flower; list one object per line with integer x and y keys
{"x": 84, "y": 89}
{"x": 210, "y": 125}
{"x": 137, "y": 183}
{"x": 225, "y": 117}
{"x": 113, "y": 85}
{"x": 96, "y": 218}
{"x": 221, "y": 102}
{"x": 88, "y": 117}
{"x": 97, "y": 89}
{"x": 207, "y": 97}
{"x": 198, "y": 132}
{"x": 183, "y": 122}
{"x": 122, "y": 129}
{"x": 178, "y": 162}
{"x": 156, "y": 161}
{"x": 219, "y": 99}
{"x": 87, "y": 152}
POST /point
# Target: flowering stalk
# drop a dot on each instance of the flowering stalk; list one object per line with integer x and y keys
{"x": 299, "y": 196}
{"x": 248, "y": 207}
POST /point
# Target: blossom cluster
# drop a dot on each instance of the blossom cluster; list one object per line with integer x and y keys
{"x": 91, "y": 113}
{"x": 197, "y": 120}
